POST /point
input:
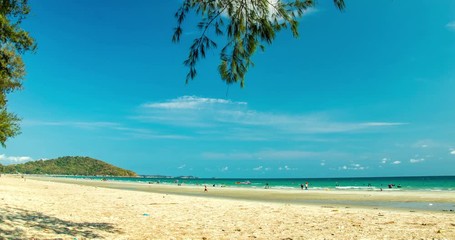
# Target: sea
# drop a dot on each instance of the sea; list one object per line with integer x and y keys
{"x": 417, "y": 183}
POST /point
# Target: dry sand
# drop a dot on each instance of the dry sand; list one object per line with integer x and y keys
{"x": 44, "y": 209}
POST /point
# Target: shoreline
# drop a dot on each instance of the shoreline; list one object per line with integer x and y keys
{"x": 400, "y": 200}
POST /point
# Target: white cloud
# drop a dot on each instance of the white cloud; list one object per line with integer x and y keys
{"x": 224, "y": 169}
{"x": 140, "y": 133}
{"x": 258, "y": 168}
{"x": 353, "y": 166}
{"x": 451, "y": 25}
{"x": 384, "y": 160}
{"x": 416, "y": 160}
{"x": 286, "y": 168}
{"x": 14, "y": 159}
{"x": 182, "y": 166}
{"x": 234, "y": 120}
{"x": 396, "y": 162}
{"x": 452, "y": 152}
{"x": 190, "y": 102}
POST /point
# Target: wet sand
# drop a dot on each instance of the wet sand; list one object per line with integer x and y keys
{"x": 49, "y": 208}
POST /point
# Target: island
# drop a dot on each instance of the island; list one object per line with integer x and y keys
{"x": 68, "y": 165}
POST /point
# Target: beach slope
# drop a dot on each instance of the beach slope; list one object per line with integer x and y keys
{"x": 48, "y": 210}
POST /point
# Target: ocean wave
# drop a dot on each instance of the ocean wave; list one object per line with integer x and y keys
{"x": 358, "y": 188}
{"x": 319, "y": 188}
{"x": 283, "y": 187}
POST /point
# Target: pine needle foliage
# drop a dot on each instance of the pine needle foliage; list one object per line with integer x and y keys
{"x": 247, "y": 26}
{"x": 14, "y": 41}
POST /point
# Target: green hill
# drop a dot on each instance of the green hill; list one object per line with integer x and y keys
{"x": 68, "y": 166}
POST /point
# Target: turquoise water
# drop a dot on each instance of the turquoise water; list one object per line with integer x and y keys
{"x": 427, "y": 183}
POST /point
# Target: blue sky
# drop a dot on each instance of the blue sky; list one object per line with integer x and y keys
{"x": 365, "y": 92}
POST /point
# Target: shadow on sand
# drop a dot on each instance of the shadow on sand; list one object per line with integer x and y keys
{"x": 15, "y": 223}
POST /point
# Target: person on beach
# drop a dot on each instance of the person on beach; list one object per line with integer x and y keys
{"x": 267, "y": 186}
{"x": 306, "y": 186}
{"x": 205, "y": 188}
{"x": 301, "y": 186}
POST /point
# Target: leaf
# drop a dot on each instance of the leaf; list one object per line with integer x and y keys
{"x": 250, "y": 24}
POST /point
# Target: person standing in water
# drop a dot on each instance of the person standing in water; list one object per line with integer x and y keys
{"x": 306, "y": 186}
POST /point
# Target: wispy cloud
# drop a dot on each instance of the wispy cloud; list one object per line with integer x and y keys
{"x": 237, "y": 120}
{"x": 382, "y": 124}
{"x": 416, "y": 160}
{"x": 353, "y": 166}
{"x": 126, "y": 132}
{"x": 428, "y": 143}
{"x": 287, "y": 168}
{"x": 451, "y": 26}
{"x": 190, "y": 117}
{"x": 452, "y": 151}
{"x": 190, "y": 102}
{"x": 14, "y": 159}
{"x": 357, "y": 166}
{"x": 396, "y": 162}
{"x": 259, "y": 168}
{"x": 141, "y": 133}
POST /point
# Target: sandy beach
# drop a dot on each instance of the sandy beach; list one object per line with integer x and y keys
{"x": 48, "y": 208}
